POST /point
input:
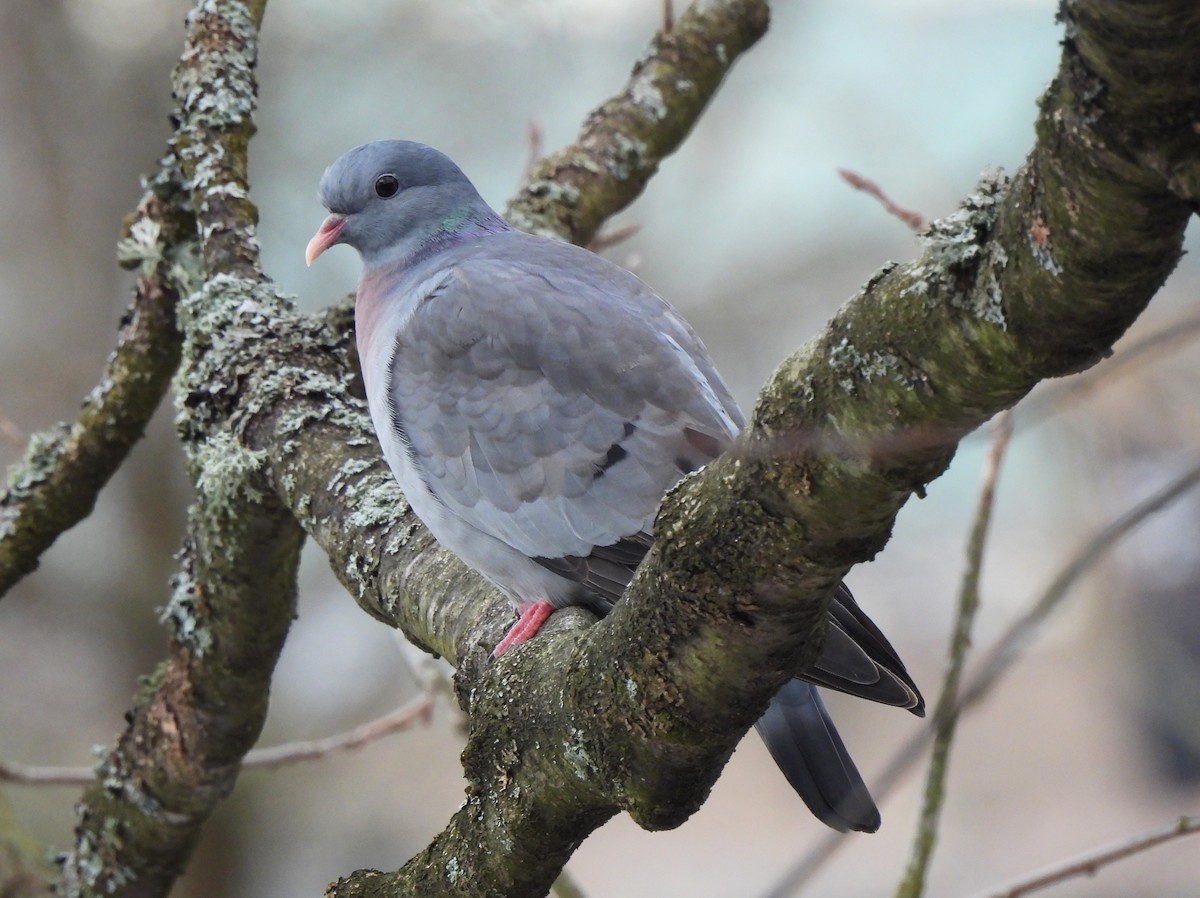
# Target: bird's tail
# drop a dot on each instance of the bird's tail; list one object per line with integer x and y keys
{"x": 801, "y": 737}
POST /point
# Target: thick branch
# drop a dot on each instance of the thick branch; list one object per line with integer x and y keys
{"x": 1031, "y": 279}
{"x": 234, "y": 595}
{"x": 641, "y": 712}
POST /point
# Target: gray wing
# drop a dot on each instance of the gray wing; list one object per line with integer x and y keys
{"x": 549, "y": 398}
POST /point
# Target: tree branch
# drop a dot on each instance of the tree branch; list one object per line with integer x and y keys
{"x": 999, "y": 659}
{"x": 946, "y": 713}
{"x": 234, "y": 594}
{"x": 570, "y": 193}
{"x": 1030, "y": 279}
{"x": 55, "y": 485}
{"x": 1090, "y": 863}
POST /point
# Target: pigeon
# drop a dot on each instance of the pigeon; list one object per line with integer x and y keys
{"x": 535, "y": 402}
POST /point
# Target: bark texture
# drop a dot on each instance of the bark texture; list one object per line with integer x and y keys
{"x": 1034, "y": 277}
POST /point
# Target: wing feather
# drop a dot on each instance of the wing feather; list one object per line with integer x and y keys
{"x": 551, "y": 412}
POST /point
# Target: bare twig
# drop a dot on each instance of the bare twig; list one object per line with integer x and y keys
{"x": 914, "y": 220}
{"x": 37, "y": 775}
{"x": 945, "y": 715}
{"x": 668, "y": 18}
{"x": 1089, "y": 864}
{"x": 995, "y": 663}
{"x": 10, "y": 433}
{"x": 611, "y": 238}
{"x": 1008, "y": 648}
{"x": 536, "y": 147}
{"x": 418, "y": 710}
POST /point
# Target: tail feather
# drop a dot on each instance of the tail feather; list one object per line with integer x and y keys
{"x": 802, "y": 739}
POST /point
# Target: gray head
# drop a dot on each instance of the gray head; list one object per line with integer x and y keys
{"x": 391, "y": 199}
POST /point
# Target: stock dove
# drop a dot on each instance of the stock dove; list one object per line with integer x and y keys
{"x": 535, "y": 402}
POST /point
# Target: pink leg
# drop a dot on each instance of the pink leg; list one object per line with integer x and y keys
{"x": 530, "y": 618}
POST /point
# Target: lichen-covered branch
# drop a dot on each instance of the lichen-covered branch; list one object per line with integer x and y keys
{"x": 234, "y": 594}
{"x": 215, "y": 88}
{"x": 54, "y": 486}
{"x": 1033, "y": 278}
{"x": 570, "y": 193}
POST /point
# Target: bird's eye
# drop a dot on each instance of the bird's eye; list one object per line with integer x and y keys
{"x": 387, "y": 186}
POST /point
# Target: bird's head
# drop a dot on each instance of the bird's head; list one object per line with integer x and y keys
{"x": 389, "y": 198}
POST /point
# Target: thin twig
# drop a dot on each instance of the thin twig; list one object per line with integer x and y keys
{"x": 995, "y": 664}
{"x": 914, "y": 220}
{"x": 420, "y": 709}
{"x": 603, "y": 241}
{"x": 535, "y": 138}
{"x": 668, "y": 19}
{"x": 34, "y": 775}
{"x": 10, "y": 433}
{"x": 1088, "y": 864}
{"x": 402, "y": 718}
{"x": 945, "y": 715}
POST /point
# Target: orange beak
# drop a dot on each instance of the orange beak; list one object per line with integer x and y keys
{"x": 325, "y": 237}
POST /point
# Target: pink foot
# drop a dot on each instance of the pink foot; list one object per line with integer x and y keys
{"x": 530, "y": 618}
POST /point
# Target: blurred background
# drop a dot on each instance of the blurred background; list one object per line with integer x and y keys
{"x": 749, "y": 230}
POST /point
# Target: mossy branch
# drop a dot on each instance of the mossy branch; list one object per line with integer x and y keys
{"x": 234, "y": 594}
{"x": 572, "y": 192}
{"x": 1033, "y": 278}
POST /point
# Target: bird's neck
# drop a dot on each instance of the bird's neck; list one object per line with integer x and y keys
{"x": 457, "y": 228}
{"x": 452, "y": 230}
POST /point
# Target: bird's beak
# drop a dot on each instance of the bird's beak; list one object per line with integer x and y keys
{"x": 325, "y": 237}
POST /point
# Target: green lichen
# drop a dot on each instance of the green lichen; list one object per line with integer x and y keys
{"x": 228, "y": 473}
{"x": 88, "y": 868}
{"x": 962, "y": 259}
{"x": 850, "y": 364}
{"x": 40, "y": 462}
{"x": 548, "y": 195}
{"x": 142, "y": 248}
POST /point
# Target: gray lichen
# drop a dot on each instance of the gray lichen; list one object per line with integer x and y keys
{"x": 849, "y": 364}
{"x": 182, "y": 617}
{"x": 626, "y": 156}
{"x": 961, "y": 257}
{"x": 647, "y": 96}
